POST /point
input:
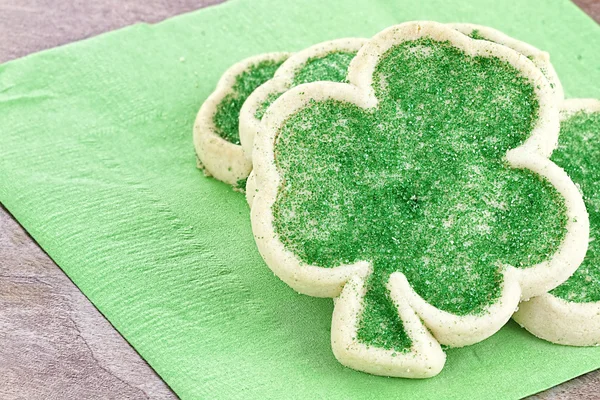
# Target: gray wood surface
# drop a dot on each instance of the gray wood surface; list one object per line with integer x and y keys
{"x": 53, "y": 343}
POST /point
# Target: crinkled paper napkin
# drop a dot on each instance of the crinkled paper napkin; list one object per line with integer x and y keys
{"x": 97, "y": 163}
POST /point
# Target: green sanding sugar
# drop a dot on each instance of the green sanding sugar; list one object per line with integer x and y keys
{"x": 476, "y": 35}
{"x": 228, "y": 111}
{"x": 241, "y": 184}
{"x": 419, "y": 184}
{"x": 579, "y": 155}
{"x": 331, "y": 67}
{"x": 380, "y": 325}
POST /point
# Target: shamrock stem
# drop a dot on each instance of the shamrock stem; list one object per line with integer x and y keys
{"x": 425, "y": 357}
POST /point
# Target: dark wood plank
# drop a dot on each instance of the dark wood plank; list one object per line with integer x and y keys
{"x": 591, "y": 8}
{"x": 27, "y": 26}
{"x": 55, "y": 344}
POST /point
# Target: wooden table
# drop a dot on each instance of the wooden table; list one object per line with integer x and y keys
{"x": 53, "y": 343}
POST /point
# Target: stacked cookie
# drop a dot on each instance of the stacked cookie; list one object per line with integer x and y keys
{"x": 413, "y": 178}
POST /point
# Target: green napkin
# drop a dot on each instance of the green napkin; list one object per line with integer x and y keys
{"x": 97, "y": 163}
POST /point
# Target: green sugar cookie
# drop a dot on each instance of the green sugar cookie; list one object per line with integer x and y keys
{"x": 216, "y": 135}
{"x": 570, "y": 314}
{"x": 419, "y": 195}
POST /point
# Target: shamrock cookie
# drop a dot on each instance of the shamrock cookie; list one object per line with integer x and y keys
{"x": 216, "y": 135}
{"x": 541, "y": 59}
{"x": 570, "y": 314}
{"x": 419, "y": 194}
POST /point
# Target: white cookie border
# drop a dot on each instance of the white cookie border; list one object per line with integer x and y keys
{"x": 540, "y": 58}
{"x": 328, "y": 282}
{"x": 217, "y": 156}
{"x": 552, "y": 318}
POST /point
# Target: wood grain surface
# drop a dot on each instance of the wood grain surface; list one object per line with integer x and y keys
{"x": 53, "y": 343}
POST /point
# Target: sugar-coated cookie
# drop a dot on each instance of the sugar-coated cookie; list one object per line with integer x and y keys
{"x": 216, "y": 134}
{"x": 419, "y": 195}
{"x": 570, "y": 314}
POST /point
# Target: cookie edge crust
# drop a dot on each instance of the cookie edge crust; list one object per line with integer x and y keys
{"x": 282, "y": 81}
{"x": 217, "y": 156}
{"x": 550, "y": 317}
{"x": 323, "y": 282}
